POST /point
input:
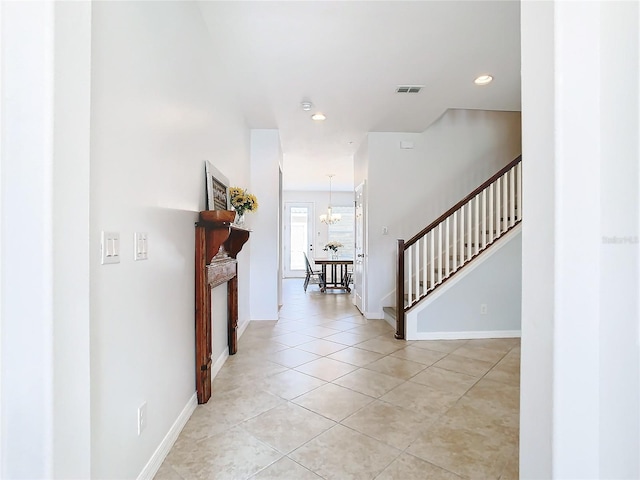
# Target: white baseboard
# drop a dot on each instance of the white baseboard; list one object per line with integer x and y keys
{"x": 390, "y": 321}
{"x": 218, "y": 364}
{"x": 465, "y": 335}
{"x": 215, "y": 368}
{"x": 374, "y": 315}
{"x": 242, "y": 327}
{"x": 155, "y": 462}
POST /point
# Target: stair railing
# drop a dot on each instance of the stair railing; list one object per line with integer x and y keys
{"x": 455, "y": 238}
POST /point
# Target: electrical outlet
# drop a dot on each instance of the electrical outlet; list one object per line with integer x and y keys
{"x": 142, "y": 417}
{"x": 483, "y": 309}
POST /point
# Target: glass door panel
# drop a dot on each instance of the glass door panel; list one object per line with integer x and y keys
{"x": 298, "y": 237}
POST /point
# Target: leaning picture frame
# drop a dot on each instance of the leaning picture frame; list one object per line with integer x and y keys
{"x": 217, "y": 188}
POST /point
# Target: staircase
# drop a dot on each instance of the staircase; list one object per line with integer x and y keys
{"x": 455, "y": 239}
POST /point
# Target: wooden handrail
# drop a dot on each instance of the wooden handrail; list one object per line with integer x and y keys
{"x": 511, "y": 199}
{"x": 458, "y": 205}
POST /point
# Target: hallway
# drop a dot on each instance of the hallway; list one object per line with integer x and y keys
{"x": 324, "y": 393}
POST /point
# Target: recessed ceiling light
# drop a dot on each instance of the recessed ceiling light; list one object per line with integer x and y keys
{"x": 318, "y": 116}
{"x": 483, "y": 80}
{"x": 306, "y": 106}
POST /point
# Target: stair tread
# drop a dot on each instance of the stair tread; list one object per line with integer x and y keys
{"x": 391, "y": 311}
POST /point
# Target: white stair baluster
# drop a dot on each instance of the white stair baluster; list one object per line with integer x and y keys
{"x": 498, "y": 210}
{"x": 454, "y": 242}
{"x": 469, "y": 231}
{"x": 417, "y": 276}
{"x": 476, "y": 227}
{"x": 409, "y": 264}
{"x": 462, "y": 225}
{"x": 432, "y": 257}
{"x": 519, "y": 189}
{"x": 505, "y": 204}
{"x": 446, "y": 247}
{"x": 439, "y": 269}
{"x": 491, "y": 227}
{"x": 483, "y": 221}
{"x": 463, "y": 235}
{"x": 425, "y": 250}
{"x": 512, "y": 197}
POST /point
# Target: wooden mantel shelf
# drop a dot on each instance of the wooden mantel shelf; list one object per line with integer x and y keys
{"x": 217, "y": 246}
{"x": 227, "y": 234}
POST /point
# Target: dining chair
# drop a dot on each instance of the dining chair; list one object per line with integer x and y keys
{"x": 348, "y": 277}
{"x": 314, "y": 276}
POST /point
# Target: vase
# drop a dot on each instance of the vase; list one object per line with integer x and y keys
{"x": 334, "y": 255}
{"x": 239, "y": 219}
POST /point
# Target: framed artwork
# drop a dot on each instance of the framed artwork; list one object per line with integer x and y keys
{"x": 217, "y": 188}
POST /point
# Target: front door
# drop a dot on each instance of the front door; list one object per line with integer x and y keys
{"x": 298, "y": 237}
{"x": 359, "y": 263}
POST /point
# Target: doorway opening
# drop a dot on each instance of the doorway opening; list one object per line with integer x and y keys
{"x": 298, "y": 238}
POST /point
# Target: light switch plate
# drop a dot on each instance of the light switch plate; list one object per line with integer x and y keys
{"x": 110, "y": 248}
{"x": 140, "y": 246}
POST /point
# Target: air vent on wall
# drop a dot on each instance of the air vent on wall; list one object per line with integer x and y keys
{"x": 409, "y": 89}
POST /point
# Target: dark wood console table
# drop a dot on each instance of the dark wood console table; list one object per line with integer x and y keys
{"x": 217, "y": 245}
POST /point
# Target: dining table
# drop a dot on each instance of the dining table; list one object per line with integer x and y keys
{"x": 338, "y": 270}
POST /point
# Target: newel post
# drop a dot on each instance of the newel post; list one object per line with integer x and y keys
{"x": 400, "y": 291}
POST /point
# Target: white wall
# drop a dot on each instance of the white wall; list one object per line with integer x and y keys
{"x": 266, "y": 158}
{"x": 407, "y": 189}
{"x": 219, "y": 324}
{"x": 46, "y": 424}
{"x": 580, "y": 362}
{"x": 158, "y": 111}
{"x": 538, "y": 233}
{"x": 494, "y": 279}
{"x": 361, "y": 164}
{"x": 71, "y": 306}
{"x": 577, "y": 148}
{"x": 26, "y": 236}
{"x": 619, "y": 328}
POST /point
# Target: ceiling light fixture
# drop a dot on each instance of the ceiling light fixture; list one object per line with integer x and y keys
{"x": 306, "y": 106}
{"x": 483, "y": 80}
{"x": 330, "y": 218}
{"x": 318, "y": 117}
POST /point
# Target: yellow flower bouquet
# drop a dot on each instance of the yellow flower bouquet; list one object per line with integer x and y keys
{"x": 242, "y": 201}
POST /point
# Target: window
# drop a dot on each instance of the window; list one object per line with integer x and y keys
{"x": 342, "y": 231}
{"x": 299, "y": 232}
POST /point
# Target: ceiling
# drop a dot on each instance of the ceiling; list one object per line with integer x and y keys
{"x": 347, "y": 58}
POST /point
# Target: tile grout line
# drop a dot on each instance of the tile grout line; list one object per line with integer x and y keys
{"x": 301, "y": 327}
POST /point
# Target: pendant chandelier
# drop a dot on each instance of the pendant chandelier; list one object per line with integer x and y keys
{"x": 330, "y": 218}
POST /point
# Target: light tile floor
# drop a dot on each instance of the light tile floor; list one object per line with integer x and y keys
{"x": 325, "y": 393}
